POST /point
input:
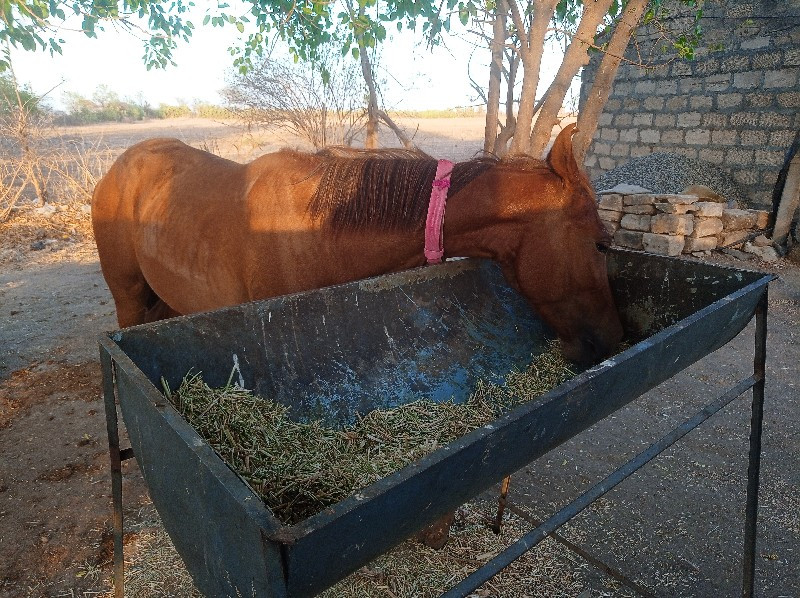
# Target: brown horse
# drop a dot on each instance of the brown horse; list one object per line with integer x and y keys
{"x": 179, "y": 230}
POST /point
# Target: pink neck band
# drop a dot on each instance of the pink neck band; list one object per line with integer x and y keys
{"x": 434, "y": 225}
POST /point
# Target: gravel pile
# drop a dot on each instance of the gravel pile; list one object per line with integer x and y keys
{"x": 663, "y": 172}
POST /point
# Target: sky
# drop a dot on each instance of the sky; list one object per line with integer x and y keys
{"x": 416, "y": 78}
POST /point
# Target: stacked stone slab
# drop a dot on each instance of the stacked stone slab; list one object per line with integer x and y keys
{"x": 671, "y": 224}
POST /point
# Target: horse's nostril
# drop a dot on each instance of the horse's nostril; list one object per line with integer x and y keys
{"x": 594, "y": 348}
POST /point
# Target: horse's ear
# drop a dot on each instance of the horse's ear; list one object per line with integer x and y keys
{"x": 562, "y": 157}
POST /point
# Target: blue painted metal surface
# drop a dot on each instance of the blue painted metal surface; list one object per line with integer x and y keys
{"x": 337, "y": 351}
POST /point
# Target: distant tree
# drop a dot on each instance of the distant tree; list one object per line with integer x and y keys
{"x": 105, "y": 105}
{"x": 11, "y": 97}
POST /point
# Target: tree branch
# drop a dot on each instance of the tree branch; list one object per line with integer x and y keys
{"x": 607, "y": 71}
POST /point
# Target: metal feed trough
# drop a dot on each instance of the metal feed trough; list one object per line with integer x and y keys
{"x": 431, "y": 332}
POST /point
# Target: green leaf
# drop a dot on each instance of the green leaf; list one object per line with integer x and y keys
{"x": 240, "y": 26}
{"x": 206, "y": 19}
{"x": 88, "y": 25}
{"x": 355, "y": 52}
{"x": 28, "y": 42}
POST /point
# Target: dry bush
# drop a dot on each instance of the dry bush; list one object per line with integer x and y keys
{"x": 296, "y": 98}
{"x": 38, "y": 163}
{"x": 50, "y": 167}
{"x": 21, "y": 167}
{"x": 76, "y": 166}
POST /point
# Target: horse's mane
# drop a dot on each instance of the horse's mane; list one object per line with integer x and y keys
{"x": 383, "y": 189}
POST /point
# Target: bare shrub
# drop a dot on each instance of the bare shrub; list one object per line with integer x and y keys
{"x": 76, "y": 165}
{"x": 21, "y": 134}
{"x": 38, "y": 162}
{"x": 298, "y": 99}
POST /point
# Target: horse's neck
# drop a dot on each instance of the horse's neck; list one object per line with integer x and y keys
{"x": 475, "y": 226}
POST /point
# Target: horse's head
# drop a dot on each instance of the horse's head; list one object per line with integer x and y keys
{"x": 539, "y": 220}
{"x": 559, "y": 264}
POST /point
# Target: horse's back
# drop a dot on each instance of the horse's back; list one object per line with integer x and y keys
{"x": 185, "y": 223}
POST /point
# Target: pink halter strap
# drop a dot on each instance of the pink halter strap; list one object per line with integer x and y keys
{"x": 434, "y": 225}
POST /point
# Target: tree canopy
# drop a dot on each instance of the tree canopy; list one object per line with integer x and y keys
{"x": 514, "y": 30}
{"x": 36, "y": 24}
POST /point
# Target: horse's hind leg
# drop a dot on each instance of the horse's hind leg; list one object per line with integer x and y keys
{"x": 137, "y": 303}
{"x": 133, "y": 298}
{"x": 132, "y": 295}
{"x": 159, "y": 311}
{"x": 113, "y": 222}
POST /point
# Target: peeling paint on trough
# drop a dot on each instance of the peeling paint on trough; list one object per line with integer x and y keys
{"x": 334, "y": 352}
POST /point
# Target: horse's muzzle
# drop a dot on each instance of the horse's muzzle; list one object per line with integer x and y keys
{"x": 591, "y": 347}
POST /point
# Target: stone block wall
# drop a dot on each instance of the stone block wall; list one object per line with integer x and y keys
{"x": 671, "y": 224}
{"x": 736, "y": 105}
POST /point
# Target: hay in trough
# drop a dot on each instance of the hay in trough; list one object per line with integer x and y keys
{"x": 298, "y": 469}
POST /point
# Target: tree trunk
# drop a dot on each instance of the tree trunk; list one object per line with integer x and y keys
{"x": 371, "y": 140}
{"x": 507, "y": 131}
{"x": 401, "y": 135}
{"x": 531, "y": 47}
{"x": 495, "y": 79}
{"x": 601, "y": 86}
{"x": 576, "y": 56}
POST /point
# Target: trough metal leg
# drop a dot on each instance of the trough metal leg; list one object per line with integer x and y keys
{"x": 501, "y": 505}
{"x": 754, "y": 466}
{"x": 535, "y": 536}
{"x": 756, "y": 382}
{"x": 112, "y": 427}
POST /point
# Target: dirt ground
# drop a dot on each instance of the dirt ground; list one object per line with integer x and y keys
{"x": 675, "y": 528}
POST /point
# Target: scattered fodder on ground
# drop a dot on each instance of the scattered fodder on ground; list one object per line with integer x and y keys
{"x": 54, "y": 227}
{"x": 410, "y": 570}
{"x": 153, "y": 568}
{"x": 413, "y": 570}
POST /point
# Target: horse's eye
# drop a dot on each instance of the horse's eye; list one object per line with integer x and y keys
{"x": 602, "y": 247}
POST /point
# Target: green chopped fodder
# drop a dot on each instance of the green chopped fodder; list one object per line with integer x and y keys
{"x": 298, "y": 469}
